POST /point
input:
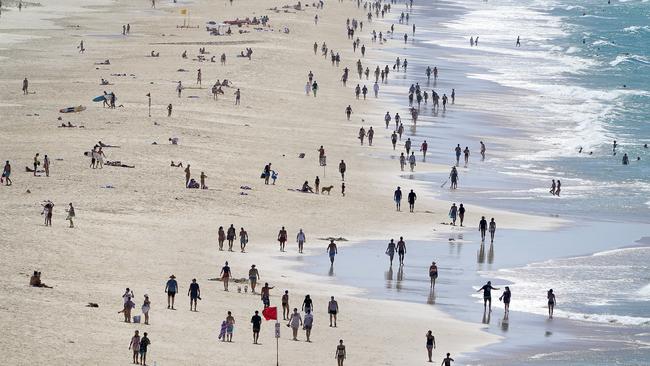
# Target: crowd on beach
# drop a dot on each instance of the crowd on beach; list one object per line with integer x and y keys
{"x": 304, "y": 317}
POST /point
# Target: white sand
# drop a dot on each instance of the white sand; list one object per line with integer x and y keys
{"x": 149, "y": 226}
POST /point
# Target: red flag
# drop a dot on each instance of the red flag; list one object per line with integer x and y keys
{"x": 270, "y": 313}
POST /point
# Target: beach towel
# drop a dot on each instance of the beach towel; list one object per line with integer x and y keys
{"x": 222, "y": 333}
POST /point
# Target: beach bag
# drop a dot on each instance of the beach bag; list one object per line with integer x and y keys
{"x": 136, "y": 318}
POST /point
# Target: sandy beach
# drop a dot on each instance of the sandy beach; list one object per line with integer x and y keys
{"x": 135, "y": 227}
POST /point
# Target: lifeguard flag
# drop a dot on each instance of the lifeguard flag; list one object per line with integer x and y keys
{"x": 270, "y": 313}
{"x": 183, "y": 11}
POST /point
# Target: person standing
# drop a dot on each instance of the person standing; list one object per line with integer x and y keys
{"x": 371, "y": 135}
{"x": 505, "y": 297}
{"x": 461, "y": 214}
{"x": 492, "y": 228}
{"x": 362, "y": 134}
{"x": 188, "y": 175}
{"x": 402, "y": 161}
{"x": 307, "y": 324}
{"x": 146, "y": 306}
{"x": 134, "y": 345}
{"x": 36, "y": 163}
{"x": 424, "y": 148}
{"x": 225, "y": 275}
{"x": 253, "y": 276}
{"x": 487, "y": 294}
{"x": 433, "y": 274}
{"x": 285, "y": 305}
{"x": 265, "y": 295}
{"x": 453, "y": 176}
{"x": 25, "y": 86}
{"x": 179, "y": 88}
{"x": 466, "y": 155}
{"x": 243, "y": 239}
{"x": 482, "y": 227}
{"x": 342, "y": 169}
{"x": 46, "y": 165}
{"x": 458, "y": 152}
{"x": 144, "y": 346}
{"x": 550, "y": 296}
{"x": 171, "y": 288}
{"x": 431, "y": 344}
{"x": 397, "y": 197}
{"x": 411, "y": 199}
{"x": 169, "y": 110}
{"x": 332, "y": 251}
{"x": 340, "y": 353}
{"x": 332, "y": 310}
{"x": 300, "y": 238}
{"x": 282, "y": 238}
{"x": 198, "y": 77}
{"x": 295, "y": 321}
{"x": 202, "y": 177}
{"x": 6, "y": 173}
{"x": 256, "y": 320}
{"x": 412, "y": 160}
{"x": 71, "y": 215}
{"x": 553, "y": 186}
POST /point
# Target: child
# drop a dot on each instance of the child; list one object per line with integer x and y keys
{"x": 274, "y": 175}
{"x": 222, "y": 333}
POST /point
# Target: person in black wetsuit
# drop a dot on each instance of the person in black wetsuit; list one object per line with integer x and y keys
{"x": 487, "y": 294}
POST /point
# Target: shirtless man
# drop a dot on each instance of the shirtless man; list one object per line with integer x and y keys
{"x": 401, "y": 250}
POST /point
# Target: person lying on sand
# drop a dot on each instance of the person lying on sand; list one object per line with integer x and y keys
{"x": 101, "y": 144}
{"x": 179, "y": 165}
{"x": 35, "y": 280}
{"x": 105, "y": 62}
{"x": 69, "y": 125}
{"x": 118, "y": 163}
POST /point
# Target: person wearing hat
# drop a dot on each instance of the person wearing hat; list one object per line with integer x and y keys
{"x": 253, "y": 276}
{"x": 146, "y": 306}
{"x": 171, "y": 289}
{"x": 433, "y": 274}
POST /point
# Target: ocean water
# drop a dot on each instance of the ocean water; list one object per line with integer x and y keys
{"x": 580, "y": 80}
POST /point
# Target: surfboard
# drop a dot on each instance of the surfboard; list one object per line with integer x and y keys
{"x": 100, "y": 98}
{"x": 78, "y": 108}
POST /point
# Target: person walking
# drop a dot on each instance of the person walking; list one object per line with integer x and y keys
{"x": 71, "y": 215}
{"x": 401, "y": 250}
{"x": 492, "y": 229}
{"x": 431, "y": 344}
{"x": 46, "y": 165}
{"x": 134, "y": 346}
{"x": 256, "y": 320}
{"x": 332, "y": 251}
{"x": 482, "y": 227}
{"x": 412, "y": 161}
{"x": 433, "y": 274}
{"x": 332, "y": 310}
{"x": 411, "y": 199}
{"x": 144, "y": 347}
{"x": 505, "y": 297}
{"x": 243, "y": 239}
{"x": 6, "y": 173}
{"x": 550, "y": 296}
{"x": 342, "y": 169}
{"x": 253, "y": 277}
{"x": 340, "y": 353}
{"x": 301, "y": 239}
{"x": 285, "y": 305}
{"x": 307, "y": 324}
{"x": 295, "y": 321}
{"x": 225, "y": 275}
{"x": 453, "y": 212}
{"x": 146, "y": 306}
{"x": 397, "y": 197}
{"x": 194, "y": 292}
{"x": 461, "y": 214}
{"x": 282, "y": 238}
